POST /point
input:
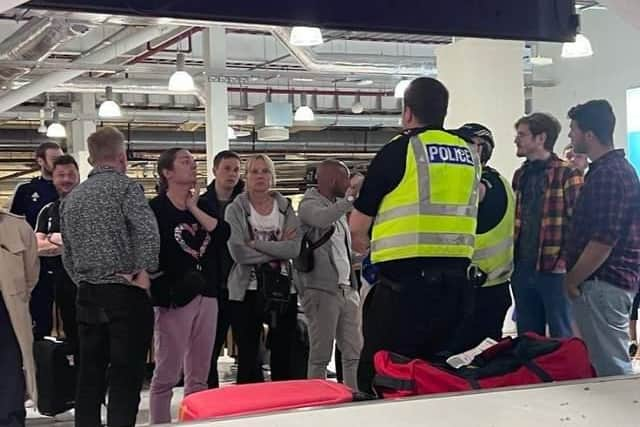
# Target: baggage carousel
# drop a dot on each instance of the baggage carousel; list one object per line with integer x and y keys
{"x": 613, "y": 401}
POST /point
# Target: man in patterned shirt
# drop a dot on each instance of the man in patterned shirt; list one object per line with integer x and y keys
{"x": 110, "y": 242}
{"x": 546, "y": 188}
{"x": 603, "y": 253}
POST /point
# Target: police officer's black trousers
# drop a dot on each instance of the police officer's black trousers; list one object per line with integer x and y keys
{"x": 417, "y": 318}
{"x": 491, "y": 306}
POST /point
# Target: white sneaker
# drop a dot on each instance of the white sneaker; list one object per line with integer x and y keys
{"x": 69, "y": 415}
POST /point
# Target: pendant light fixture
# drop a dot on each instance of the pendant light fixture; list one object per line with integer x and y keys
{"x": 304, "y": 113}
{"x": 56, "y": 129}
{"x": 401, "y": 87}
{"x": 306, "y": 36}
{"x": 42, "y": 128}
{"x": 581, "y": 48}
{"x": 357, "y": 107}
{"x": 181, "y": 81}
{"x": 109, "y": 109}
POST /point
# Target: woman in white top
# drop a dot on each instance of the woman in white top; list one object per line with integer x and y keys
{"x": 264, "y": 234}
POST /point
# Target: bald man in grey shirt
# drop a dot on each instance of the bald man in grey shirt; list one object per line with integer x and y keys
{"x": 330, "y": 298}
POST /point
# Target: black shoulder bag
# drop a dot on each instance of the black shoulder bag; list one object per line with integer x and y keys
{"x": 274, "y": 288}
{"x": 305, "y": 262}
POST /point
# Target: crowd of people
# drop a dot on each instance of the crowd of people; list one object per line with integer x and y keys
{"x": 446, "y": 239}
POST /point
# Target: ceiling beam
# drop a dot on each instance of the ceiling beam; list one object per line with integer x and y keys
{"x": 102, "y": 55}
{"x": 10, "y": 4}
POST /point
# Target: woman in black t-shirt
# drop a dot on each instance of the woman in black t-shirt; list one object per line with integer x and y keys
{"x": 184, "y": 291}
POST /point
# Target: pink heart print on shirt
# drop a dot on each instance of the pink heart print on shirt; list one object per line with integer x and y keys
{"x": 193, "y": 239}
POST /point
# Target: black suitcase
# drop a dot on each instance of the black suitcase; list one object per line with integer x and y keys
{"x": 55, "y": 376}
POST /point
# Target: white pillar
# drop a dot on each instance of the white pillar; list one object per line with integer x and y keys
{"x": 486, "y": 85}
{"x": 216, "y": 108}
{"x": 83, "y": 107}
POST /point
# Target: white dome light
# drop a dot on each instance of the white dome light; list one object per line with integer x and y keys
{"x": 55, "y": 129}
{"x": 581, "y": 48}
{"x": 306, "y": 36}
{"x": 357, "y": 107}
{"x": 304, "y": 114}
{"x": 109, "y": 109}
{"x": 401, "y": 87}
{"x": 181, "y": 81}
{"x": 231, "y": 133}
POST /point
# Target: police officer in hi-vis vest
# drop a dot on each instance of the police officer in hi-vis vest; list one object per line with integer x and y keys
{"x": 421, "y": 196}
{"x": 494, "y": 242}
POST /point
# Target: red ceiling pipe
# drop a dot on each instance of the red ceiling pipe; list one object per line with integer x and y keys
{"x": 162, "y": 46}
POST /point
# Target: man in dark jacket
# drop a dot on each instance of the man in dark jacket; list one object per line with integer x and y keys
{"x": 220, "y": 193}
{"x": 29, "y": 198}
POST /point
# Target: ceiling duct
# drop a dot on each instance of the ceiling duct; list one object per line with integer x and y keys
{"x": 236, "y": 118}
{"x": 35, "y": 41}
{"x": 97, "y": 55}
{"x": 272, "y": 121}
{"x": 126, "y": 86}
{"x": 385, "y": 65}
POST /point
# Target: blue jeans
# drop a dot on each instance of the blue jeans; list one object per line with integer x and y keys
{"x": 541, "y": 300}
{"x": 602, "y": 315}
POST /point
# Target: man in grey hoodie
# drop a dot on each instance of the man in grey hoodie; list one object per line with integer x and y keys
{"x": 330, "y": 297}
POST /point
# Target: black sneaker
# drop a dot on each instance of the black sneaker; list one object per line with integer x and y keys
{"x": 633, "y": 349}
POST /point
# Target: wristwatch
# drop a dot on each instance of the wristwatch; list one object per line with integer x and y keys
{"x": 350, "y": 199}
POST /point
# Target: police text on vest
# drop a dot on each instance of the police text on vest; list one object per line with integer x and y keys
{"x": 449, "y": 154}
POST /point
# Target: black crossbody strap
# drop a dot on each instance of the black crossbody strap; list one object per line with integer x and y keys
{"x": 324, "y": 239}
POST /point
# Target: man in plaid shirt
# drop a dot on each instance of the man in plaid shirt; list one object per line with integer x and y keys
{"x": 603, "y": 251}
{"x": 546, "y": 189}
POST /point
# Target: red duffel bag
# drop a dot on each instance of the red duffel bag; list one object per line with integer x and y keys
{"x": 266, "y": 397}
{"x": 528, "y": 359}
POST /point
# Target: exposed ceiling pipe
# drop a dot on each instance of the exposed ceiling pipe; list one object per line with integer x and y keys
{"x": 35, "y": 41}
{"x": 122, "y": 86}
{"x": 314, "y": 62}
{"x": 10, "y": 4}
{"x": 162, "y": 46}
{"x": 105, "y": 54}
{"x": 236, "y": 118}
{"x": 140, "y": 57}
{"x": 158, "y": 87}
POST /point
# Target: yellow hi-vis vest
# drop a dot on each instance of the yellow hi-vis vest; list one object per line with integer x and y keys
{"x": 494, "y": 249}
{"x": 433, "y": 210}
